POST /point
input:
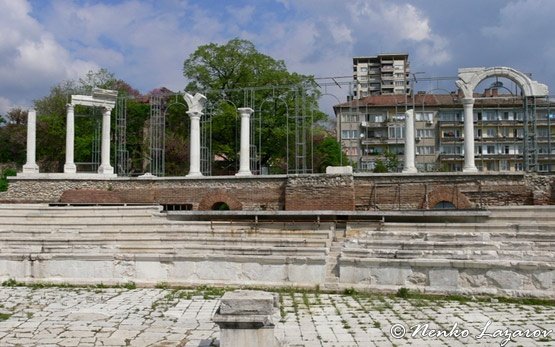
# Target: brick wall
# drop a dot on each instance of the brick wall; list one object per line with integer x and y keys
{"x": 320, "y": 192}
{"x": 302, "y": 192}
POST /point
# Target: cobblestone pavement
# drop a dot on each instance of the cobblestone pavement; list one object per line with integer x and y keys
{"x": 162, "y": 317}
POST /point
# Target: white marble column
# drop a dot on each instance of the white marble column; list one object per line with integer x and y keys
{"x": 194, "y": 145}
{"x": 244, "y": 155}
{"x": 31, "y": 165}
{"x": 105, "y": 168}
{"x": 468, "y": 105}
{"x": 69, "y": 166}
{"x": 409, "y": 166}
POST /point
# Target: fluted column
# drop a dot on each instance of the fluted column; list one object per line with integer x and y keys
{"x": 69, "y": 166}
{"x": 244, "y": 159}
{"x": 468, "y": 105}
{"x": 194, "y": 146}
{"x": 105, "y": 167}
{"x": 31, "y": 165}
{"x": 409, "y": 166}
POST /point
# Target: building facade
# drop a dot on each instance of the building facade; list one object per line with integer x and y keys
{"x": 384, "y": 74}
{"x": 511, "y": 133}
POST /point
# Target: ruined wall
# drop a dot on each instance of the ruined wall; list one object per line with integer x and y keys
{"x": 265, "y": 193}
{"x": 422, "y": 191}
{"x": 297, "y": 192}
{"x": 320, "y": 192}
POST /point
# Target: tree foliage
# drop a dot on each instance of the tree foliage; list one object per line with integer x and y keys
{"x": 236, "y": 75}
{"x": 389, "y": 163}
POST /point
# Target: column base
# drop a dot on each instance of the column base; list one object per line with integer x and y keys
{"x": 30, "y": 168}
{"x": 243, "y": 174}
{"x": 470, "y": 169}
{"x": 105, "y": 170}
{"x": 70, "y": 168}
{"x": 410, "y": 170}
{"x": 194, "y": 175}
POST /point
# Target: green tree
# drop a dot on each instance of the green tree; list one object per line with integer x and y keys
{"x": 390, "y": 163}
{"x": 235, "y": 75}
{"x": 13, "y": 136}
{"x": 327, "y": 152}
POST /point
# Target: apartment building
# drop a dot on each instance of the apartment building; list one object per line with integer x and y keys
{"x": 384, "y": 74}
{"x": 511, "y": 133}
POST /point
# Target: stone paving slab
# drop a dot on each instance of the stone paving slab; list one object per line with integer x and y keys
{"x": 164, "y": 318}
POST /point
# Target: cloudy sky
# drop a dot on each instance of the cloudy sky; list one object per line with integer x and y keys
{"x": 145, "y": 42}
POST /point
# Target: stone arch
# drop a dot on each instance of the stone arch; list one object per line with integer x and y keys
{"x": 215, "y": 197}
{"x": 445, "y": 194}
{"x": 469, "y": 78}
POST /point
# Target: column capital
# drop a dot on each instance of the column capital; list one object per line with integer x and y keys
{"x": 106, "y": 109}
{"x": 245, "y": 111}
{"x": 467, "y": 101}
{"x": 195, "y": 114}
{"x": 70, "y": 107}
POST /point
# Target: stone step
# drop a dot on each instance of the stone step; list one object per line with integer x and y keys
{"x": 175, "y": 249}
{"x": 125, "y": 231}
{"x": 7, "y": 241}
{"x": 466, "y": 227}
{"x": 457, "y": 236}
{"x": 463, "y": 254}
{"x": 423, "y": 245}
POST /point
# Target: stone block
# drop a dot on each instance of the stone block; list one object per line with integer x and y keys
{"x": 505, "y": 279}
{"x": 443, "y": 278}
{"x": 339, "y": 170}
{"x": 247, "y": 302}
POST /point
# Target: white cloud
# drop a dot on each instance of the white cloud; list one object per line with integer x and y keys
{"x": 241, "y": 15}
{"x": 31, "y": 60}
{"x": 5, "y": 106}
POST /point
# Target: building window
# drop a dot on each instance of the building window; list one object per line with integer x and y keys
{"x": 543, "y": 132}
{"x": 351, "y": 151}
{"x": 543, "y": 167}
{"x": 396, "y": 132}
{"x": 451, "y": 149}
{"x": 425, "y": 150}
{"x": 367, "y": 165}
{"x": 491, "y": 132}
{"x": 349, "y": 134}
{"x": 451, "y": 133}
{"x": 349, "y": 118}
{"x": 450, "y": 117}
{"x": 519, "y": 167}
{"x": 375, "y": 118}
{"x": 425, "y": 133}
{"x": 424, "y": 116}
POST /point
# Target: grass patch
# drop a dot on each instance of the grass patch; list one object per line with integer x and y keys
{"x": 5, "y": 316}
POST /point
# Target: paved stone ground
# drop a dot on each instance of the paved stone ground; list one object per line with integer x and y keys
{"x": 162, "y": 317}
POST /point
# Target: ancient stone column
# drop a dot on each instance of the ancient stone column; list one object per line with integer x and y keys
{"x": 245, "y": 319}
{"x": 194, "y": 147}
{"x": 105, "y": 167}
{"x": 409, "y": 166}
{"x": 244, "y": 156}
{"x": 31, "y": 165}
{"x": 196, "y": 105}
{"x": 468, "y": 105}
{"x": 69, "y": 166}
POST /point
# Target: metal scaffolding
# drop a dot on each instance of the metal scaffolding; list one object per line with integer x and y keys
{"x": 121, "y": 154}
{"x": 157, "y": 136}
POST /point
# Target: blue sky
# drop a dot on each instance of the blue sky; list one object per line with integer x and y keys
{"x": 145, "y": 42}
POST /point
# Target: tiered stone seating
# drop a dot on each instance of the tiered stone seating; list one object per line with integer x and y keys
{"x": 144, "y": 236}
{"x": 514, "y": 250}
